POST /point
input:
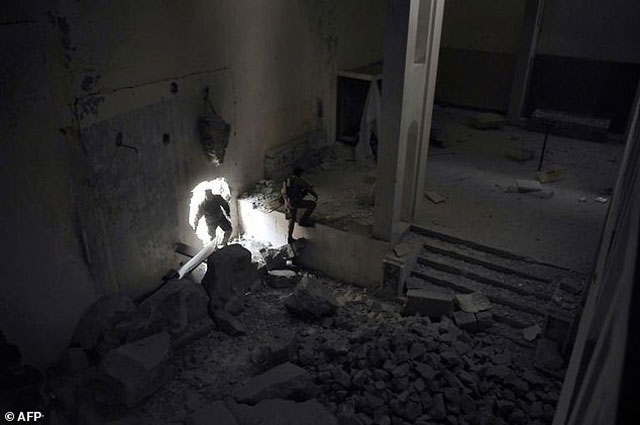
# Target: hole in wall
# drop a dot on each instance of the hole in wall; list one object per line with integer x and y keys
{"x": 166, "y": 139}
{"x": 218, "y": 186}
{"x": 174, "y": 88}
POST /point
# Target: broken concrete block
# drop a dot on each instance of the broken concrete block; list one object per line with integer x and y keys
{"x": 525, "y": 186}
{"x": 286, "y": 381}
{"x": 401, "y": 249}
{"x": 484, "y": 320}
{"x": 520, "y": 154}
{"x": 552, "y": 175}
{"x": 216, "y": 413}
{"x": 227, "y": 323}
{"x": 138, "y": 369}
{"x": 487, "y": 120}
{"x": 464, "y": 320}
{"x": 532, "y": 332}
{"x": 271, "y": 355}
{"x": 229, "y": 272}
{"x": 283, "y": 412}
{"x": 311, "y": 300}
{"x": 282, "y": 278}
{"x": 103, "y": 315}
{"x": 276, "y": 258}
{"x": 434, "y": 197}
{"x": 473, "y": 303}
{"x": 172, "y": 307}
{"x": 428, "y": 303}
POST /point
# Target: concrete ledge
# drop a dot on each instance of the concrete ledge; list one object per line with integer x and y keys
{"x": 342, "y": 255}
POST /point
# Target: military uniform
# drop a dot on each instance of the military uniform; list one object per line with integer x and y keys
{"x": 213, "y": 210}
{"x": 294, "y": 189}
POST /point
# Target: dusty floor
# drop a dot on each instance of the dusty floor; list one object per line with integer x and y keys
{"x": 473, "y": 173}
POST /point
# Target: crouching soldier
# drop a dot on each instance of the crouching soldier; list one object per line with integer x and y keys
{"x": 294, "y": 190}
{"x": 216, "y": 212}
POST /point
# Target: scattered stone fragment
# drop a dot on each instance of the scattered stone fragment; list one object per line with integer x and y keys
{"x": 401, "y": 249}
{"x": 282, "y": 278}
{"x": 438, "y": 410}
{"x": 484, "y": 320}
{"x": 487, "y": 120}
{"x": 526, "y": 186}
{"x": 216, "y": 413}
{"x": 102, "y": 316}
{"x": 464, "y": 320}
{"x": 520, "y": 154}
{"x": 551, "y": 175}
{"x": 532, "y": 332}
{"x": 138, "y": 369}
{"x": 227, "y": 323}
{"x": 434, "y": 197}
{"x": 428, "y": 303}
{"x": 473, "y": 303}
{"x": 602, "y": 200}
{"x": 286, "y": 381}
{"x": 311, "y": 300}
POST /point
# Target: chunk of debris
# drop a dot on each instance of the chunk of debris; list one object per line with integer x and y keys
{"x": 520, "y": 154}
{"x": 552, "y": 175}
{"x": 582, "y": 199}
{"x": 138, "y": 369}
{"x": 428, "y": 302}
{"x": 271, "y": 355}
{"x": 401, "y": 249}
{"x": 217, "y": 412}
{"x": 286, "y": 381}
{"x": 311, "y": 300}
{"x": 473, "y": 303}
{"x": 284, "y": 412}
{"x": 525, "y": 186}
{"x": 100, "y": 317}
{"x": 532, "y": 332}
{"x": 602, "y": 199}
{"x": 227, "y": 323}
{"x": 464, "y": 320}
{"x": 230, "y": 272}
{"x": 276, "y": 258}
{"x": 434, "y": 197}
{"x": 487, "y": 120}
{"x": 282, "y": 278}
{"x": 484, "y": 320}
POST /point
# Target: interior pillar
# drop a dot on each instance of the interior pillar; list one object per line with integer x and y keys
{"x": 411, "y": 45}
{"x": 528, "y": 43}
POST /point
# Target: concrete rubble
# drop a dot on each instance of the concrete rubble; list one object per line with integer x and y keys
{"x": 137, "y": 369}
{"x": 311, "y": 300}
{"x": 286, "y": 381}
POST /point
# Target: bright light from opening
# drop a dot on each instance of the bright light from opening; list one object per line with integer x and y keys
{"x": 218, "y": 186}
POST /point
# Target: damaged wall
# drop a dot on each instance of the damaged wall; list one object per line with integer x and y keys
{"x": 84, "y": 217}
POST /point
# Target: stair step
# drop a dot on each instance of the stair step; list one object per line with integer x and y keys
{"x": 514, "y": 283}
{"x": 483, "y": 262}
{"x": 525, "y": 303}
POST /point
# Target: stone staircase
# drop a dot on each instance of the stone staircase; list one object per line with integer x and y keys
{"x": 524, "y": 292}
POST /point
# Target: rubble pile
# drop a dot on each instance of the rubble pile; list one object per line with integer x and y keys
{"x": 264, "y": 195}
{"x": 412, "y": 371}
